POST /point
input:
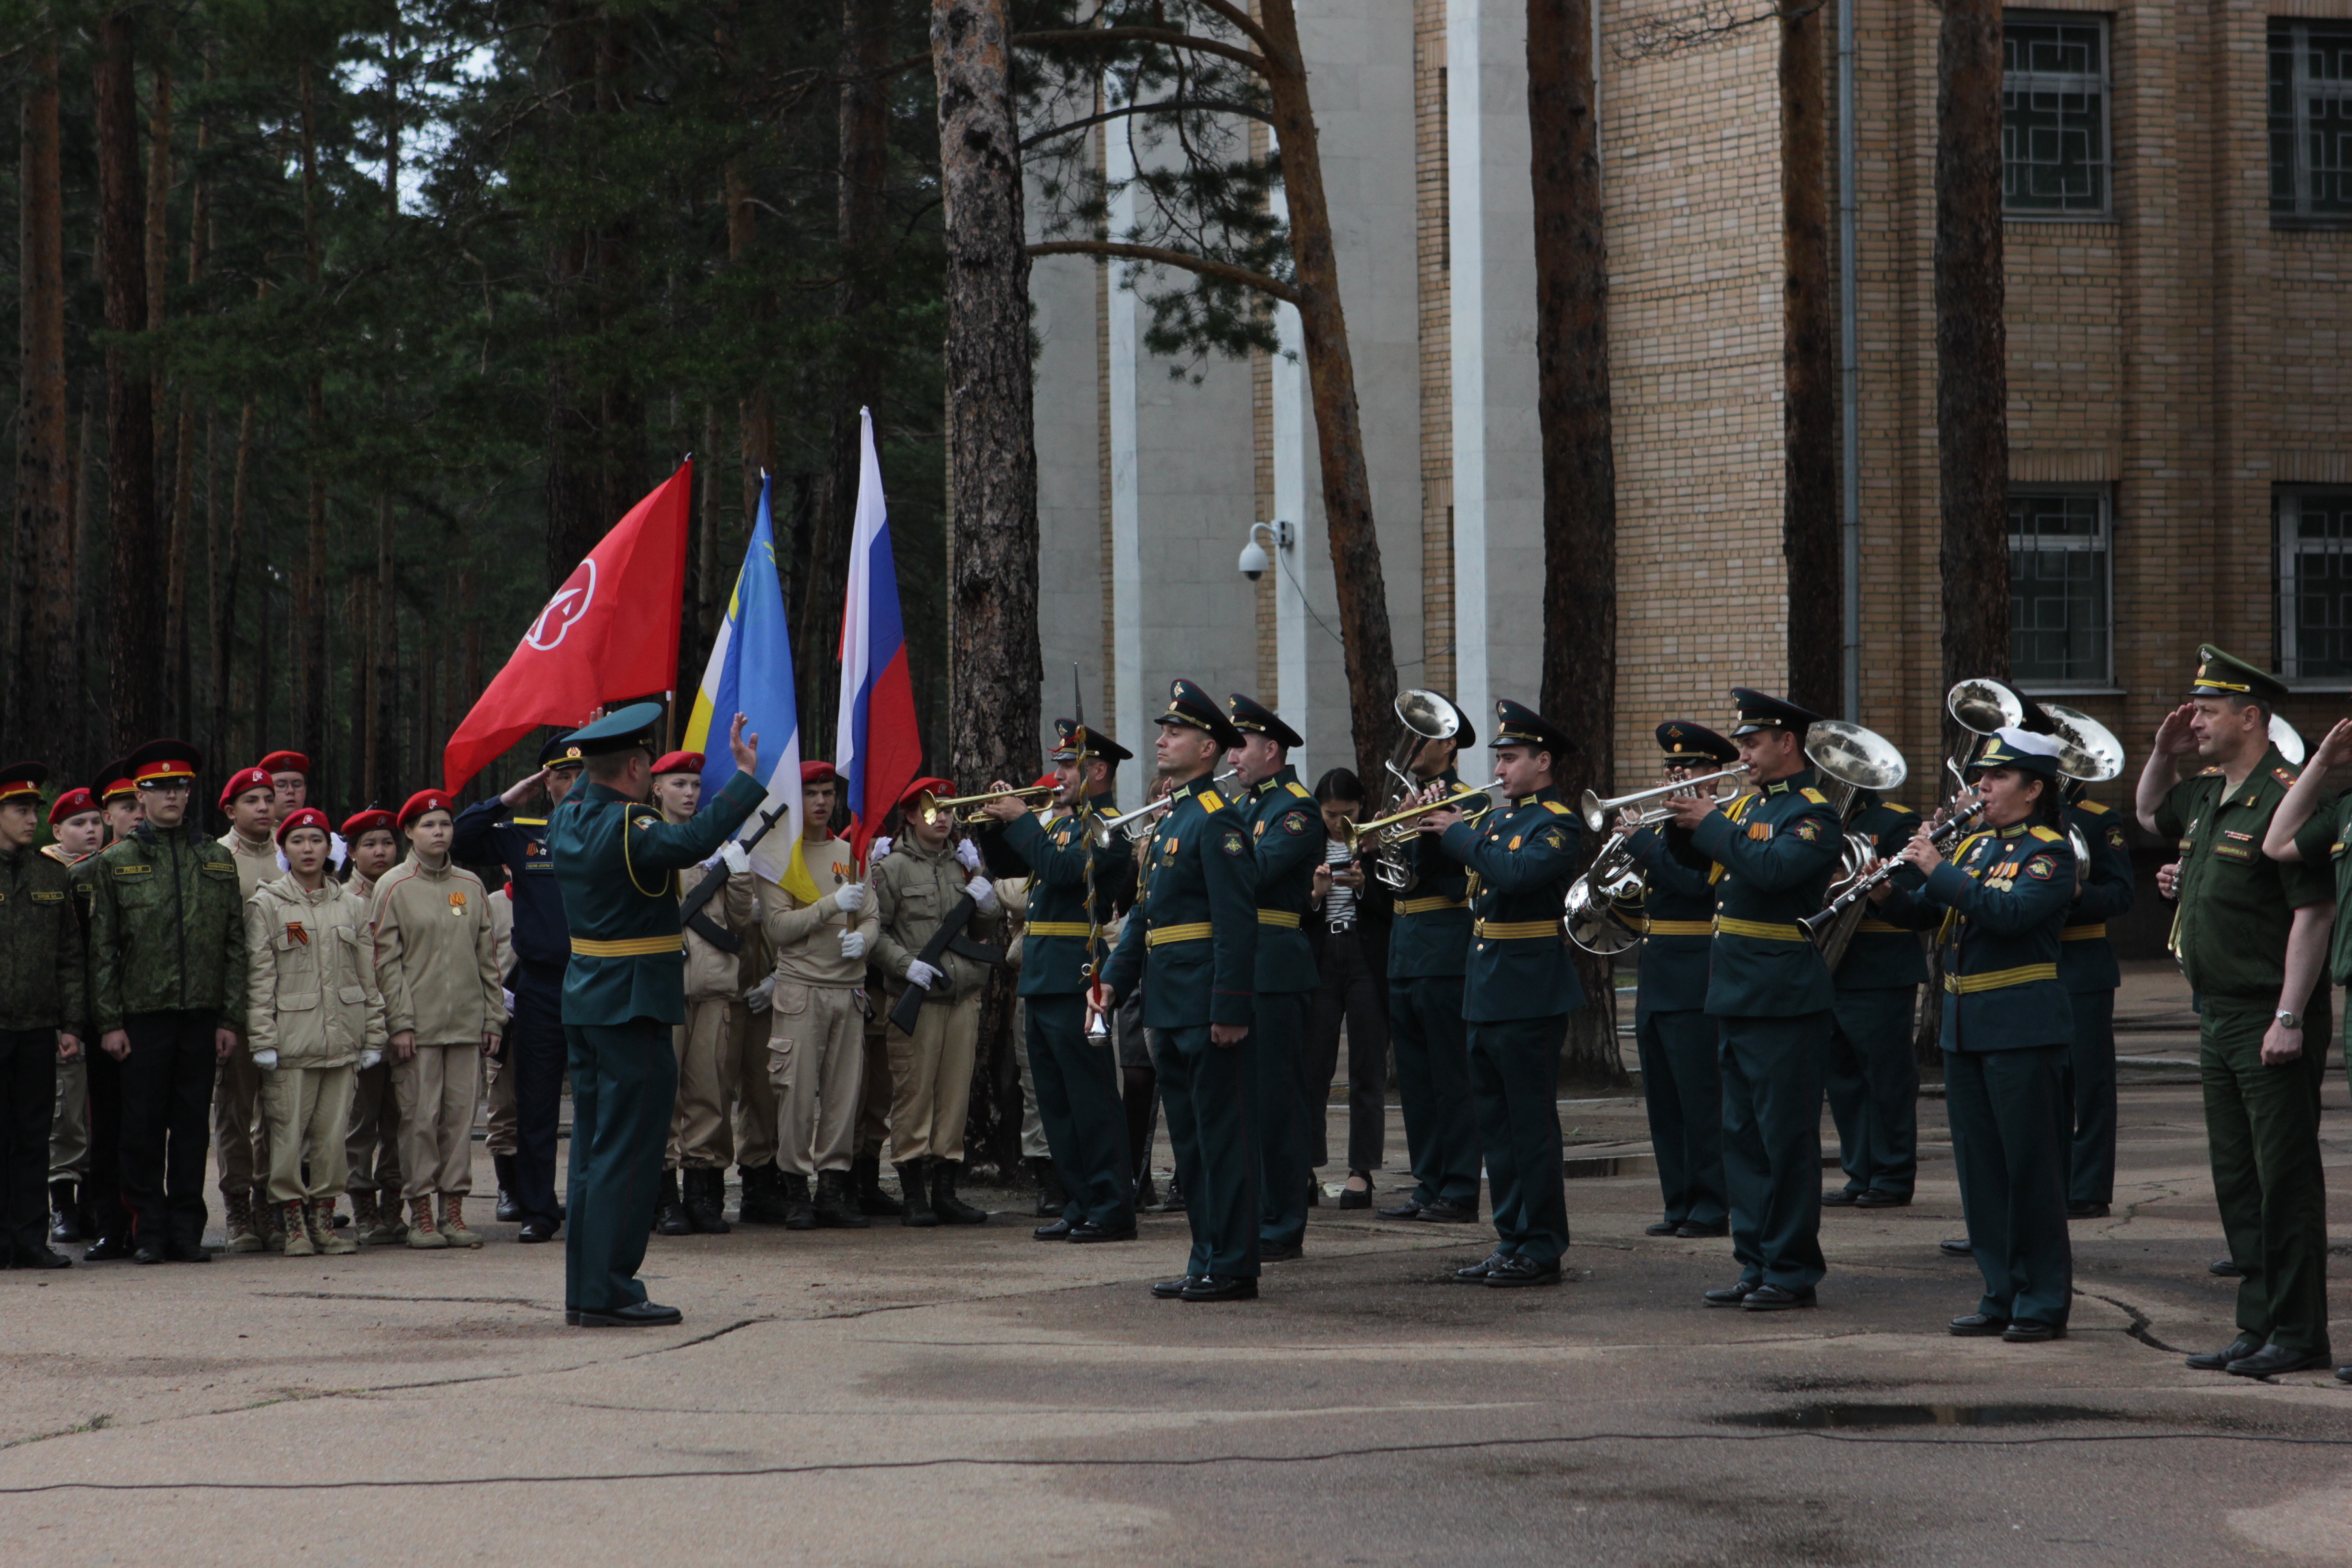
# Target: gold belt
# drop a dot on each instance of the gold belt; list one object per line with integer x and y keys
{"x": 2000, "y": 979}
{"x": 1197, "y": 931}
{"x": 1515, "y": 931}
{"x": 1762, "y": 931}
{"x": 627, "y": 947}
{"x": 1880, "y": 928}
{"x": 2084, "y": 934}
{"x": 1277, "y": 917}
{"x": 1078, "y": 929}
{"x": 1679, "y": 928}
{"x": 1429, "y": 906}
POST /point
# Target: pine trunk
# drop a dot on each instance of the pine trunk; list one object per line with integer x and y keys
{"x": 1580, "y": 475}
{"x": 1971, "y": 345}
{"x": 45, "y": 715}
{"x": 135, "y": 632}
{"x": 232, "y": 573}
{"x": 309, "y": 715}
{"x": 1809, "y": 519}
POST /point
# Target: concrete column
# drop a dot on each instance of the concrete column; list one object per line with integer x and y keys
{"x": 1293, "y": 408}
{"x": 1126, "y": 475}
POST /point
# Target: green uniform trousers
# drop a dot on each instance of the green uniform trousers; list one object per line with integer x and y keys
{"x": 1515, "y": 1089}
{"x": 2009, "y": 1116}
{"x": 1772, "y": 1145}
{"x": 1077, "y": 1102}
{"x": 2090, "y": 1074}
{"x": 1283, "y": 1139}
{"x": 623, "y": 1083}
{"x": 1441, "y": 1136}
{"x": 1210, "y": 1094}
{"x": 1874, "y": 1089}
{"x": 2262, "y": 1124}
{"x": 1682, "y": 1089}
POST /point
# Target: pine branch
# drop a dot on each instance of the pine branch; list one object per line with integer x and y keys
{"x": 1157, "y": 255}
{"x": 1165, "y": 106}
{"x": 1168, "y": 38}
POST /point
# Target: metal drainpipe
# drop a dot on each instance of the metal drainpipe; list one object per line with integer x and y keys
{"x": 1849, "y": 367}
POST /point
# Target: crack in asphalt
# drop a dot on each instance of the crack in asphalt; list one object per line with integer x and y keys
{"x": 2140, "y": 1323}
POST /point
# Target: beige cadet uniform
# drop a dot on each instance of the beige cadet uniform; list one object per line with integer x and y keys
{"x": 240, "y": 1133}
{"x": 437, "y": 963}
{"x": 499, "y": 1089}
{"x": 816, "y": 1019}
{"x": 755, "y": 1096}
{"x": 310, "y": 997}
{"x": 706, "y": 1043}
{"x": 1015, "y": 892}
{"x": 372, "y": 1149}
{"x": 931, "y": 1069}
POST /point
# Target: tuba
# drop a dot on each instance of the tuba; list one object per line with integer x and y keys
{"x": 1426, "y": 717}
{"x": 2089, "y": 753}
{"x": 1853, "y": 759}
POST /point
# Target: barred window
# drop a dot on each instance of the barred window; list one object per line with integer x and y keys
{"x": 2053, "y": 114}
{"x": 2060, "y": 587}
{"x": 2311, "y": 121}
{"x": 2314, "y": 581}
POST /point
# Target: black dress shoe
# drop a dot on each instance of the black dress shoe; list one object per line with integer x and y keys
{"x": 2218, "y": 1360}
{"x": 1875, "y": 1199}
{"x": 2032, "y": 1332}
{"x": 1409, "y": 1209}
{"x": 107, "y": 1249}
{"x": 1731, "y": 1295}
{"x": 1280, "y": 1251}
{"x": 1691, "y": 1230}
{"x": 1350, "y": 1198}
{"x": 2226, "y": 1269}
{"x": 636, "y": 1315}
{"x": 1975, "y": 1326}
{"x": 1169, "y": 1289}
{"x": 535, "y": 1230}
{"x": 1518, "y": 1269}
{"x": 1955, "y": 1249}
{"x": 1664, "y": 1227}
{"x": 1840, "y": 1198}
{"x": 1087, "y": 1230}
{"x": 2343, "y": 1375}
{"x": 2271, "y": 1360}
{"x": 186, "y": 1252}
{"x": 147, "y": 1252}
{"x": 1476, "y": 1273}
{"x": 2086, "y": 1211}
{"x": 40, "y": 1257}
{"x": 1445, "y": 1211}
{"x": 1057, "y": 1231}
{"x": 1773, "y": 1298}
{"x": 1313, "y": 1193}
{"x": 1220, "y": 1288}
{"x": 508, "y": 1211}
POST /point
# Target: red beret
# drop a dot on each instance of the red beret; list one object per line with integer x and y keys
{"x": 818, "y": 773}
{"x": 71, "y": 804}
{"x": 285, "y": 762}
{"x": 940, "y": 788}
{"x": 678, "y": 762}
{"x": 308, "y": 816}
{"x": 423, "y": 801}
{"x": 242, "y": 780}
{"x": 367, "y": 821}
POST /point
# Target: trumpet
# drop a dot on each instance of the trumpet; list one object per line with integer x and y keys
{"x": 1597, "y": 811}
{"x": 1397, "y": 826}
{"x": 1135, "y": 823}
{"x": 1426, "y": 717}
{"x": 930, "y": 807}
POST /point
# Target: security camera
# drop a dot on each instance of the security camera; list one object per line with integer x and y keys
{"x": 1254, "y": 561}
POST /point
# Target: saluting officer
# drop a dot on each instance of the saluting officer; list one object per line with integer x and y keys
{"x": 1077, "y": 1078}
{"x": 1872, "y": 1078}
{"x": 42, "y": 1004}
{"x": 1682, "y": 1085}
{"x": 499, "y": 832}
{"x": 2087, "y": 969}
{"x": 78, "y": 831}
{"x": 2252, "y": 936}
{"x": 616, "y": 861}
{"x": 1770, "y": 994}
{"x": 1191, "y": 940}
{"x": 1997, "y": 905}
{"x": 1287, "y": 833}
{"x": 1521, "y": 989}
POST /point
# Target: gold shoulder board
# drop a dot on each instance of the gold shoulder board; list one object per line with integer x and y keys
{"x": 1301, "y": 791}
{"x": 1555, "y": 808}
{"x": 2048, "y": 834}
{"x": 2283, "y": 776}
{"x": 1900, "y": 810}
{"x": 2093, "y": 806}
{"x": 1209, "y": 801}
{"x": 1816, "y": 796}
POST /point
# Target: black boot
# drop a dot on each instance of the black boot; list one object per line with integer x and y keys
{"x": 915, "y": 1194}
{"x": 951, "y": 1209}
{"x": 669, "y": 1214}
{"x": 706, "y": 1202}
{"x": 1052, "y": 1196}
{"x": 866, "y": 1174}
{"x": 65, "y": 1217}
{"x": 798, "y": 1215}
{"x": 763, "y": 1195}
{"x": 836, "y": 1203}
{"x": 508, "y": 1211}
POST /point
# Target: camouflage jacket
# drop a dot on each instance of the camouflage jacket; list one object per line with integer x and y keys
{"x": 166, "y": 929}
{"x": 41, "y": 972}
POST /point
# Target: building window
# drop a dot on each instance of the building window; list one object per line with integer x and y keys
{"x": 2059, "y": 588}
{"x": 2311, "y": 123}
{"x": 2314, "y": 581}
{"x": 2053, "y": 114}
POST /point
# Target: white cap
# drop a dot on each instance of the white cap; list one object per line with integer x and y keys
{"x": 2028, "y": 743}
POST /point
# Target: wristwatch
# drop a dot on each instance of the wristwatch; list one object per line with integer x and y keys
{"x": 2292, "y": 1020}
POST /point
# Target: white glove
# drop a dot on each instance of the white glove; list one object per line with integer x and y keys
{"x": 265, "y": 1061}
{"x": 508, "y": 997}
{"x": 370, "y": 1058}
{"x": 968, "y": 852}
{"x": 853, "y": 944}
{"x": 849, "y": 898}
{"x": 762, "y": 996}
{"x": 879, "y": 851}
{"x": 984, "y": 895}
{"x": 922, "y": 973}
{"x": 738, "y": 859}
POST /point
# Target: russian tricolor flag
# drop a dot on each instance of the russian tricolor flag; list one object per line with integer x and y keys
{"x": 877, "y": 750}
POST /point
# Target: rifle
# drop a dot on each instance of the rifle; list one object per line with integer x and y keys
{"x": 949, "y": 938}
{"x": 690, "y": 913}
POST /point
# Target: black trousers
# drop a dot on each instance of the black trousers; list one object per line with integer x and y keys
{"x": 1352, "y": 990}
{"x": 101, "y": 1190}
{"x": 536, "y": 1053}
{"x": 26, "y": 1057}
{"x": 167, "y": 1100}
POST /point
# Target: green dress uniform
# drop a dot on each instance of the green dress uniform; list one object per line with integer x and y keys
{"x": 42, "y": 994}
{"x": 1077, "y": 1078}
{"x": 1998, "y": 906}
{"x": 1682, "y": 1083}
{"x": 617, "y": 860}
{"x": 1429, "y": 950}
{"x": 2261, "y": 1123}
{"x": 2087, "y": 969}
{"x": 1771, "y": 997}
{"x": 1192, "y": 943}
{"x": 1520, "y": 989}
{"x": 1874, "y": 1078}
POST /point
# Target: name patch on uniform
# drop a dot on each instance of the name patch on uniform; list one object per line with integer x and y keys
{"x": 2233, "y": 852}
{"x": 1235, "y": 845}
{"x": 134, "y": 871}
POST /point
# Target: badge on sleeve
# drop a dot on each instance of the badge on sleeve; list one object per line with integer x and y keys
{"x": 1807, "y": 830}
{"x": 1554, "y": 840}
{"x": 2115, "y": 837}
{"x": 2040, "y": 867}
{"x": 1234, "y": 844}
{"x": 1296, "y": 823}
